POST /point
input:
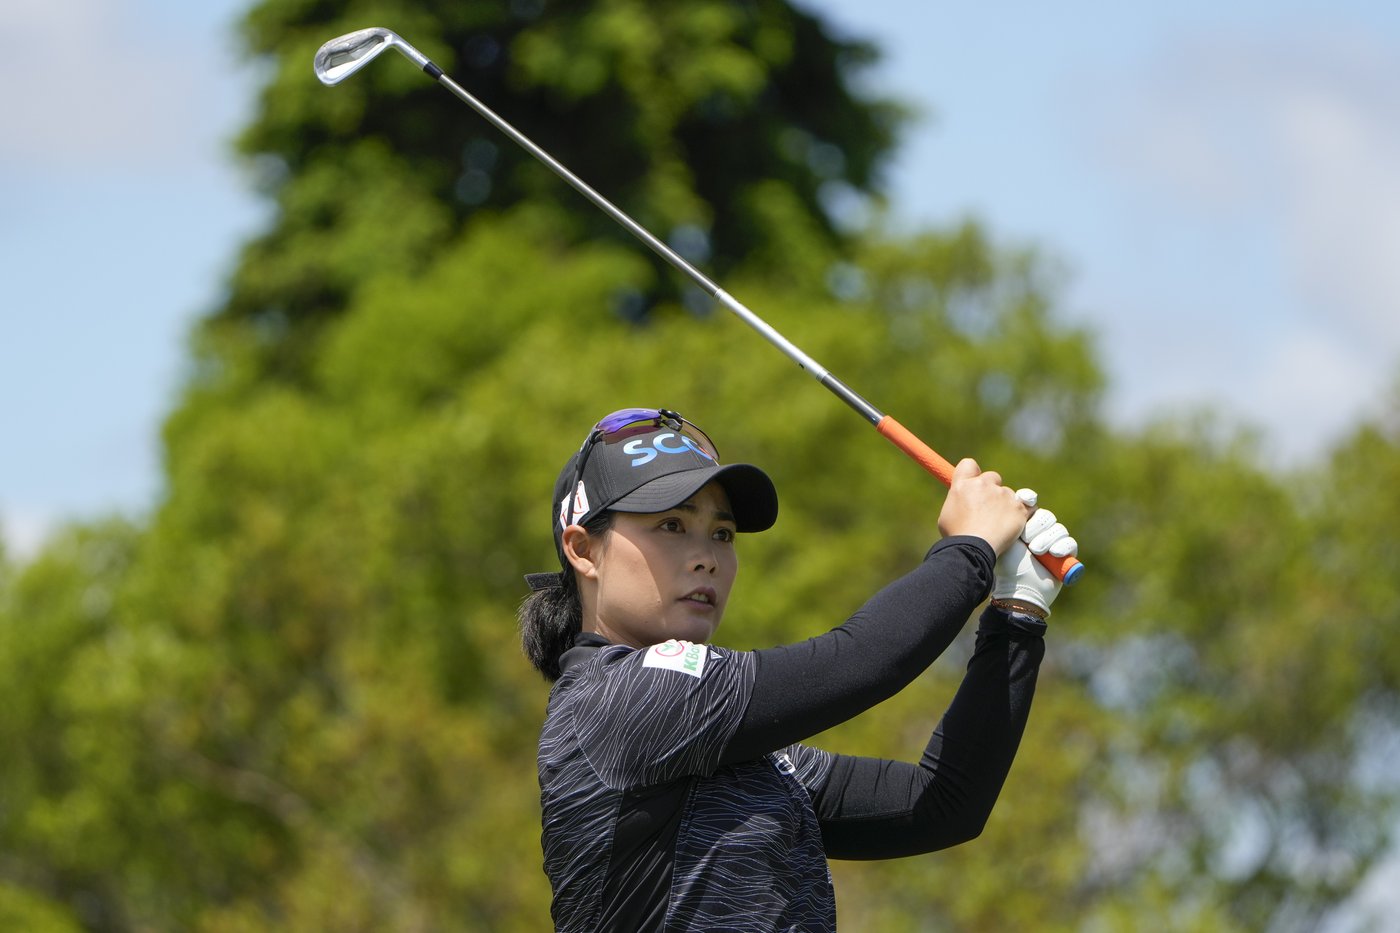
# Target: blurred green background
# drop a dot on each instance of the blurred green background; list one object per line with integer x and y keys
{"x": 293, "y": 698}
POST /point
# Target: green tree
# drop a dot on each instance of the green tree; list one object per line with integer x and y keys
{"x": 60, "y": 609}
{"x": 374, "y": 178}
{"x": 294, "y": 699}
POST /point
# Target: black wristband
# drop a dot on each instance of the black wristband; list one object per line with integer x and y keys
{"x": 998, "y": 618}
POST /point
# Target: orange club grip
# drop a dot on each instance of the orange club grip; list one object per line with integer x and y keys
{"x": 1064, "y": 568}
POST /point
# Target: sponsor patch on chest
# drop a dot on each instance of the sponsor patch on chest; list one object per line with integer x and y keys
{"x": 683, "y": 656}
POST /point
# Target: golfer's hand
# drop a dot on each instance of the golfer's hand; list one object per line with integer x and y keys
{"x": 978, "y": 504}
{"x": 1021, "y": 581}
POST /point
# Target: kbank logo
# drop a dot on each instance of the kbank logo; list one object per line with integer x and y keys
{"x": 668, "y": 442}
{"x": 684, "y": 656}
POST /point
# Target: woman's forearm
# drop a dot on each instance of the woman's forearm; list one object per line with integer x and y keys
{"x": 802, "y": 689}
{"x": 871, "y": 808}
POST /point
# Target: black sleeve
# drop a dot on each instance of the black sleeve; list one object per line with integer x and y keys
{"x": 802, "y": 689}
{"x": 871, "y": 808}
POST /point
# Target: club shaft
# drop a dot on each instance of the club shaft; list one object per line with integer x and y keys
{"x": 1067, "y": 569}
{"x": 788, "y": 348}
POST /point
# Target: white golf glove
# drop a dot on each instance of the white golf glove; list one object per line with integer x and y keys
{"x": 1020, "y": 579}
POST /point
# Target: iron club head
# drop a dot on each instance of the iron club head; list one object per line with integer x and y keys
{"x": 339, "y": 58}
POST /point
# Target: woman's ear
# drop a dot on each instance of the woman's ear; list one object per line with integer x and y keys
{"x": 581, "y": 549}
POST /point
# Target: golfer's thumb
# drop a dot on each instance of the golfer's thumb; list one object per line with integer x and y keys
{"x": 967, "y": 468}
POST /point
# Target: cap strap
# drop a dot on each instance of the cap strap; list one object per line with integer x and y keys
{"x": 544, "y": 581}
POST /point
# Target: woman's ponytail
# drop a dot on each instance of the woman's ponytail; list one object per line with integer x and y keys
{"x": 549, "y": 620}
{"x": 552, "y": 617}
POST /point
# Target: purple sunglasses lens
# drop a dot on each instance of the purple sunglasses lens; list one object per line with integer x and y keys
{"x": 626, "y": 416}
{"x": 640, "y": 420}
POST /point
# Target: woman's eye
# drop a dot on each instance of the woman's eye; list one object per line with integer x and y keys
{"x": 725, "y": 534}
{"x": 671, "y": 524}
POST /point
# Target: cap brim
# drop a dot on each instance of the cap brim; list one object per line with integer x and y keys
{"x": 752, "y": 497}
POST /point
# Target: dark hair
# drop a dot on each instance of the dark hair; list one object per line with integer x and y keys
{"x": 550, "y": 618}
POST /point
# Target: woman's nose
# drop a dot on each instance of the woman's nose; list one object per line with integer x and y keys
{"x": 705, "y": 558}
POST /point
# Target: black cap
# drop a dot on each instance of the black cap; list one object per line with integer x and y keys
{"x": 652, "y": 472}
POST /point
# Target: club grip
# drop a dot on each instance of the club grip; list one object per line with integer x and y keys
{"x": 1067, "y": 569}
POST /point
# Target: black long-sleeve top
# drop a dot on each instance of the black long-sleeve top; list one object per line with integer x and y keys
{"x": 676, "y": 792}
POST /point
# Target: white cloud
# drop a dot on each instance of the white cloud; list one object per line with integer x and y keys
{"x": 92, "y": 84}
{"x": 1299, "y": 134}
{"x": 1342, "y": 164}
{"x": 1301, "y": 386}
{"x": 1269, "y": 163}
{"x": 24, "y": 532}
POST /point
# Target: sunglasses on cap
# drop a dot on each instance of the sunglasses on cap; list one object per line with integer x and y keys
{"x": 631, "y": 422}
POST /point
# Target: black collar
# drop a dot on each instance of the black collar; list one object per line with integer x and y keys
{"x": 586, "y": 644}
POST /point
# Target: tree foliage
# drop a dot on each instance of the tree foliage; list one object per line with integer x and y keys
{"x": 294, "y": 697}
{"x": 370, "y": 179}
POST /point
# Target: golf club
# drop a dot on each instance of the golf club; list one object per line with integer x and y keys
{"x": 340, "y": 58}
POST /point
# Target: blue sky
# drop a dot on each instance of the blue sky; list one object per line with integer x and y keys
{"x": 1221, "y": 184}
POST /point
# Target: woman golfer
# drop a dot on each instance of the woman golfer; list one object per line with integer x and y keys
{"x": 675, "y": 793}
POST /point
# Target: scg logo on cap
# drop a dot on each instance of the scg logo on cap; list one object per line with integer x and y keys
{"x": 644, "y": 453}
